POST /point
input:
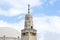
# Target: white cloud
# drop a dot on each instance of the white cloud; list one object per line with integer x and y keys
{"x": 47, "y": 23}
{"x": 13, "y": 11}
{"x": 18, "y": 6}
{"x": 2, "y": 12}
{"x": 17, "y": 26}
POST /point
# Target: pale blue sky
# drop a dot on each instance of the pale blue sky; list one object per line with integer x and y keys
{"x": 47, "y": 8}
{"x": 46, "y": 15}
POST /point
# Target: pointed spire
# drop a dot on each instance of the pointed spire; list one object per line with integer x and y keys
{"x": 28, "y": 8}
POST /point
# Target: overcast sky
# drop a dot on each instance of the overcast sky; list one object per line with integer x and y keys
{"x": 46, "y": 16}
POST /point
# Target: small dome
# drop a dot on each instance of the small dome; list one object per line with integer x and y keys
{"x": 9, "y": 32}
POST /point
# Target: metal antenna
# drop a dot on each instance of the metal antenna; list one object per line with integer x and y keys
{"x": 28, "y": 8}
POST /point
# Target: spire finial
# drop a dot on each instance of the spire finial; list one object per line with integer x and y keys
{"x": 28, "y": 8}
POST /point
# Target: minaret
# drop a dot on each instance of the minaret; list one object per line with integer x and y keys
{"x": 28, "y": 19}
{"x": 28, "y": 33}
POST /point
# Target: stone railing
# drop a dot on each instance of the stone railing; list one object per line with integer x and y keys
{"x": 9, "y": 38}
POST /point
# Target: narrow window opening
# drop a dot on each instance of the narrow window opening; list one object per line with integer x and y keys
{"x": 31, "y": 27}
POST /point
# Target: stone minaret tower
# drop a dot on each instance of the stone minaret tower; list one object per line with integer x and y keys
{"x": 28, "y": 33}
